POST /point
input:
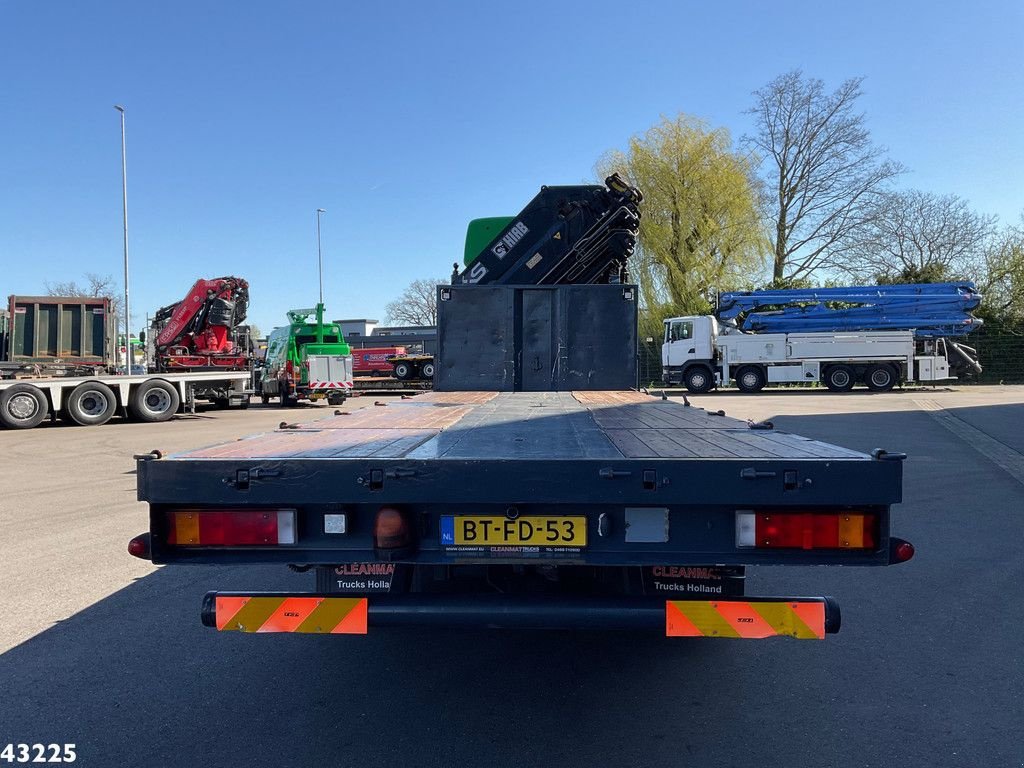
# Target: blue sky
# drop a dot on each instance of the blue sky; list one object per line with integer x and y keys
{"x": 406, "y": 119}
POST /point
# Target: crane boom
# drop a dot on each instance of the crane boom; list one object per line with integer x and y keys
{"x": 565, "y": 235}
{"x": 931, "y": 310}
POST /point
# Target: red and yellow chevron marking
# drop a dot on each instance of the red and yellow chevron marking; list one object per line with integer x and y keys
{"x": 315, "y": 615}
{"x": 720, "y": 618}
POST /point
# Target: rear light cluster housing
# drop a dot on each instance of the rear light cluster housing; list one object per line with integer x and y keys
{"x": 230, "y": 527}
{"x": 806, "y": 530}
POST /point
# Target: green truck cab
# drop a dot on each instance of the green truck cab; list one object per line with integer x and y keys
{"x": 307, "y": 359}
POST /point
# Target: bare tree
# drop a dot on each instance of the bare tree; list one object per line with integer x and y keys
{"x": 822, "y": 170}
{"x": 98, "y": 286}
{"x": 920, "y": 237}
{"x": 416, "y": 306}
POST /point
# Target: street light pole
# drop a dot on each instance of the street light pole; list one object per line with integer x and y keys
{"x": 124, "y": 197}
{"x": 320, "y": 261}
{"x": 319, "y": 253}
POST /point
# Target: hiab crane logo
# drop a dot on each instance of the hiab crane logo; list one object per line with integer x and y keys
{"x": 508, "y": 242}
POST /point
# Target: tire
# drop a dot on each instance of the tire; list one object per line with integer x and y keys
{"x": 91, "y": 404}
{"x": 244, "y": 405}
{"x": 427, "y": 371}
{"x": 336, "y": 399}
{"x": 750, "y": 378}
{"x": 264, "y": 399}
{"x": 288, "y": 400}
{"x": 880, "y": 378}
{"x": 839, "y": 378}
{"x": 698, "y": 380}
{"x": 403, "y": 371}
{"x": 23, "y": 407}
{"x": 154, "y": 400}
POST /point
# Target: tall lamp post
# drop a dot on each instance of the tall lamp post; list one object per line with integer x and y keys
{"x": 319, "y": 252}
{"x": 124, "y": 197}
{"x": 320, "y": 262}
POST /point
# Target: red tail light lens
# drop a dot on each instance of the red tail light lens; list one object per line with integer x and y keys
{"x": 806, "y": 530}
{"x": 391, "y": 530}
{"x": 230, "y": 527}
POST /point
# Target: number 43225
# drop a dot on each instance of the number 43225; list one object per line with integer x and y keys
{"x": 38, "y": 753}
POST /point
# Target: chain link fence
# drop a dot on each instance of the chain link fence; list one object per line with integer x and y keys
{"x": 1001, "y": 353}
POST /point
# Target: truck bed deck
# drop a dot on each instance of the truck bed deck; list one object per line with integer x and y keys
{"x": 673, "y": 476}
{"x": 524, "y": 425}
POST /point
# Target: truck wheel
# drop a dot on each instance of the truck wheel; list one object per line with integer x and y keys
{"x": 91, "y": 404}
{"x": 288, "y": 400}
{"x": 750, "y": 378}
{"x": 336, "y": 398}
{"x": 839, "y": 378}
{"x": 427, "y": 371}
{"x": 22, "y": 407}
{"x": 880, "y": 378}
{"x": 698, "y": 380}
{"x": 264, "y": 399}
{"x": 403, "y": 371}
{"x": 154, "y": 400}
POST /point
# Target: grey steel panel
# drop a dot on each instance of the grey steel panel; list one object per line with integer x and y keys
{"x": 475, "y": 340}
{"x": 598, "y": 337}
{"x": 536, "y": 361}
{"x": 536, "y": 338}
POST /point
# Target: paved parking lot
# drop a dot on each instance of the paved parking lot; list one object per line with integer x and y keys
{"x": 106, "y": 651}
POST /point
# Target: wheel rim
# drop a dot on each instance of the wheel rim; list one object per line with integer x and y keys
{"x": 698, "y": 380}
{"x": 23, "y": 406}
{"x": 93, "y": 403}
{"x": 157, "y": 401}
{"x": 401, "y": 371}
{"x": 428, "y": 371}
{"x": 749, "y": 380}
{"x": 840, "y": 378}
{"x": 880, "y": 378}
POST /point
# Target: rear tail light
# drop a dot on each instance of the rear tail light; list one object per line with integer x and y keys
{"x": 806, "y": 530}
{"x": 230, "y": 527}
{"x": 391, "y": 529}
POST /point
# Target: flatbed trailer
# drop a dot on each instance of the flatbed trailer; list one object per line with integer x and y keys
{"x": 611, "y": 509}
{"x": 386, "y": 384}
{"x": 94, "y": 400}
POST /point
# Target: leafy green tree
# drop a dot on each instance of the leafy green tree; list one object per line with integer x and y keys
{"x": 700, "y": 229}
{"x": 1003, "y": 282}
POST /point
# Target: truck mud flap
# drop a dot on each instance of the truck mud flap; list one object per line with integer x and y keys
{"x": 748, "y": 617}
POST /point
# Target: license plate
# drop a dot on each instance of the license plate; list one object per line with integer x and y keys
{"x": 497, "y": 531}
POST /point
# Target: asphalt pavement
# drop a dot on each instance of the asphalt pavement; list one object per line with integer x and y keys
{"x": 106, "y": 651}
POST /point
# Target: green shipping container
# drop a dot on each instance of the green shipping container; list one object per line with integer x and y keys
{"x": 60, "y": 329}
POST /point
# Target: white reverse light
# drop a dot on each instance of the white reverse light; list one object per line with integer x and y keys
{"x": 746, "y": 528}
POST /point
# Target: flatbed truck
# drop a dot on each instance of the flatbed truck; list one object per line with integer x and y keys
{"x": 535, "y": 487}
{"x": 95, "y": 399}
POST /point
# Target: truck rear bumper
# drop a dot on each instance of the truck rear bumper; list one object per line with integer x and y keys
{"x": 747, "y": 617}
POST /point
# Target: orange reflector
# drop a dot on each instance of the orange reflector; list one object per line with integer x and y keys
{"x": 751, "y": 620}
{"x": 851, "y": 531}
{"x": 308, "y": 615}
{"x": 186, "y": 528}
